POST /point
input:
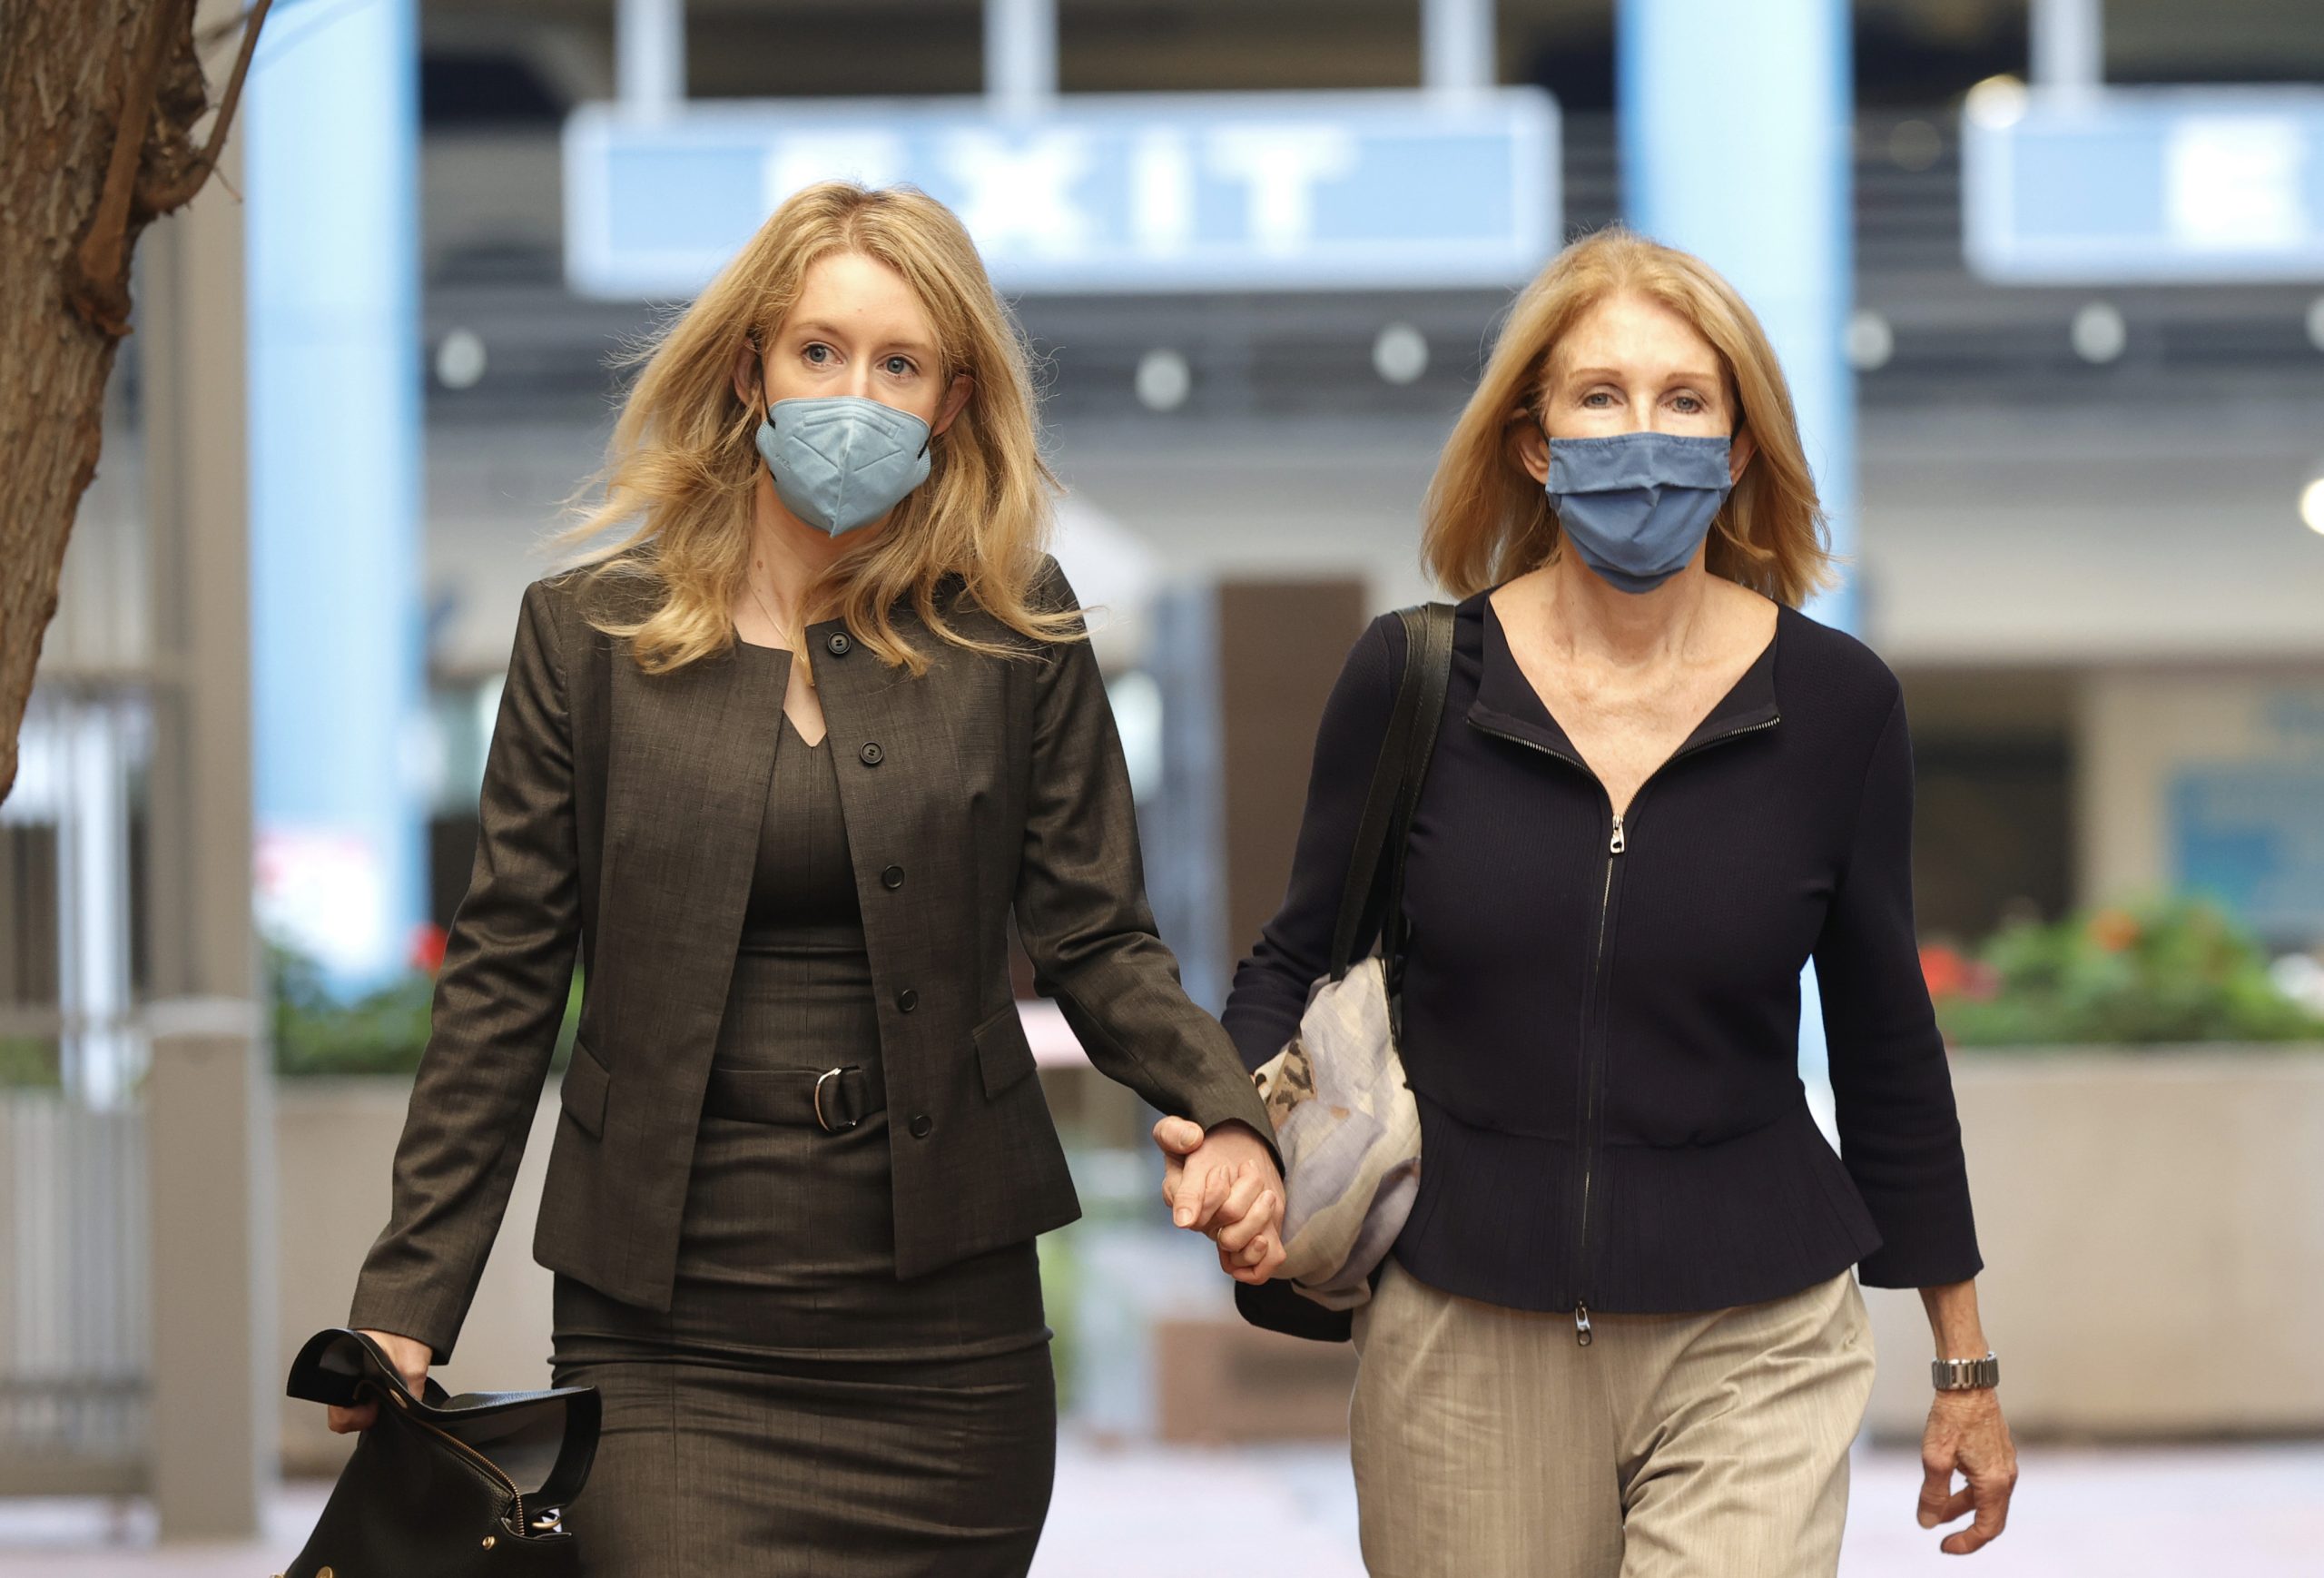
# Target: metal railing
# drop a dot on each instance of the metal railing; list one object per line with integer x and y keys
{"x": 75, "y": 1307}
{"x": 74, "y": 1329}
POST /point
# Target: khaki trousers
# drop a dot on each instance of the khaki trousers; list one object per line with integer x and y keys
{"x": 1489, "y": 1444}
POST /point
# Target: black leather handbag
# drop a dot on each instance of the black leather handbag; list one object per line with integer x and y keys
{"x": 442, "y": 1486}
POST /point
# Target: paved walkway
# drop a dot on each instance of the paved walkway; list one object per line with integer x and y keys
{"x": 1143, "y": 1511}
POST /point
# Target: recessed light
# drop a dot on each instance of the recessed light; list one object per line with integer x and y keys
{"x": 460, "y": 359}
{"x": 1400, "y": 353}
{"x": 1996, "y": 102}
{"x": 1164, "y": 381}
{"x": 2099, "y": 333}
{"x": 2311, "y": 505}
{"x": 1914, "y": 145}
{"x": 1869, "y": 341}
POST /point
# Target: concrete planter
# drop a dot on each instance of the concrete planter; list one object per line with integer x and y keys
{"x": 2153, "y": 1222}
{"x": 335, "y": 1145}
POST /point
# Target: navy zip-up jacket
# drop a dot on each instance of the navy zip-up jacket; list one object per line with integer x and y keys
{"x": 1602, "y": 1018}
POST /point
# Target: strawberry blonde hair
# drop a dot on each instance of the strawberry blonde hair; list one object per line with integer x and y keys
{"x": 1486, "y": 520}
{"x": 683, "y": 463}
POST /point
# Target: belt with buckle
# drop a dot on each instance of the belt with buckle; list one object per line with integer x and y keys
{"x": 832, "y": 1099}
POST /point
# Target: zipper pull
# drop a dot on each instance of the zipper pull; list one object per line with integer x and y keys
{"x": 1581, "y": 1332}
{"x": 1621, "y": 840}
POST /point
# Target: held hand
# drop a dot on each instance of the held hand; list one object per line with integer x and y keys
{"x": 410, "y": 1358}
{"x": 1225, "y": 1185}
{"x": 1966, "y": 1432}
{"x": 1211, "y": 1181}
{"x": 1178, "y": 1138}
{"x": 1250, "y": 1250}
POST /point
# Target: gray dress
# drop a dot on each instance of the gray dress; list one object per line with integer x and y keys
{"x": 799, "y": 1410}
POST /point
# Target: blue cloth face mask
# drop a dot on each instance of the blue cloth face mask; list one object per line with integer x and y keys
{"x": 841, "y": 461}
{"x": 1637, "y": 505}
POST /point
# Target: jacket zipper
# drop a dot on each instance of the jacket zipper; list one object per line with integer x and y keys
{"x": 1593, "y": 1076}
{"x": 1617, "y": 843}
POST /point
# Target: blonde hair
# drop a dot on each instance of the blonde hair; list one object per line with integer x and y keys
{"x": 1487, "y": 520}
{"x": 683, "y": 462}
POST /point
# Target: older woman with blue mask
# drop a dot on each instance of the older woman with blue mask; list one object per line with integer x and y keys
{"x": 1619, "y": 1331}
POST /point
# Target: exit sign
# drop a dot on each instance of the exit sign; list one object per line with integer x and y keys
{"x": 2144, "y": 185}
{"x": 1098, "y": 193}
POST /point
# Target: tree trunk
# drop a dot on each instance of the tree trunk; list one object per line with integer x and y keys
{"x": 75, "y": 79}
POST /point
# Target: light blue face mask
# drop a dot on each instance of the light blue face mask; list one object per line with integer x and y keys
{"x": 840, "y": 461}
{"x": 1637, "y": 505}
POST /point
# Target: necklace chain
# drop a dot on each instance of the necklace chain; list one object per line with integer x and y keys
{"x": 786, "y": 637}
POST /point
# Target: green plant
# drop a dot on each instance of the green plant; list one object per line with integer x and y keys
{"x": 1060, "y": 1263}
{"x": 28, "y": 1062}
{"x": 382, "y": 1032}
{"x": 2175, "y": 969}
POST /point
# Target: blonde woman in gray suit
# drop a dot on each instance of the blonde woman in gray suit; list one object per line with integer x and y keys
{"x": 780, "y": 764}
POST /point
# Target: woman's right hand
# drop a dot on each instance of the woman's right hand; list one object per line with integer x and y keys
{"x": 410, "y": 1358}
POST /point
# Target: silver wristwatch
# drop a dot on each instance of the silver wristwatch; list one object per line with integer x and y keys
{"x": 1965, "y": 1374}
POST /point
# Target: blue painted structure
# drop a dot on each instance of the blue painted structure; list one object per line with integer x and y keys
{"x": 1735, "y": 124}
{"x": 331, "y": 140}
{"x": 2144, "y": 185}
{"x": 1095, "y": 193}
{"x": 2247, "y": 835}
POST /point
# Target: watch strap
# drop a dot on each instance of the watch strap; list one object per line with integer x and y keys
{"x": 1965, "y": 1374}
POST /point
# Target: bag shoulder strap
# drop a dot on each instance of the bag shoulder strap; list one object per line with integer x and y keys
{"x": 1428, "y": 637}
{"x": 1396, "y": 777}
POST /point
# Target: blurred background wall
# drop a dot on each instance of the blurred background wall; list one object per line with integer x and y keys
{"x": 2067, "y": 491}
{"x": 2080, "y": 506}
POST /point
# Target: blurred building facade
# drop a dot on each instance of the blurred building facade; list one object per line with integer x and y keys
{"x": 2080, "y": 539}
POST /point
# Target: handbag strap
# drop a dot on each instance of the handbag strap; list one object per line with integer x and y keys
{"x": 581, "y": 1411}
{"x": 337, "y": 1364}
{"x": 1397, "y": 778}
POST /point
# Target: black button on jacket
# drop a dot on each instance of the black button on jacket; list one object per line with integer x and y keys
{"x": 1601, "y": 1020}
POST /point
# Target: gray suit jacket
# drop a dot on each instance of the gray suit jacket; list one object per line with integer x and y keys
{"x": 620, "y": 818}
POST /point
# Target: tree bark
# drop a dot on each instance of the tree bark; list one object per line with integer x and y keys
{"x": 77, "y": 77}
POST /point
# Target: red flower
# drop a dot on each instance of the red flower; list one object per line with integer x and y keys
{"x": 427, "y": 950}
{"x": 2113, "y": 929}
{"x": 1945, "y": 972}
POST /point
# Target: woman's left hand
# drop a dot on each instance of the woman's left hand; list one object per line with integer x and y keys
{"x": 1224, "y": 1184}
{"x": 1966, "y": 1433}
